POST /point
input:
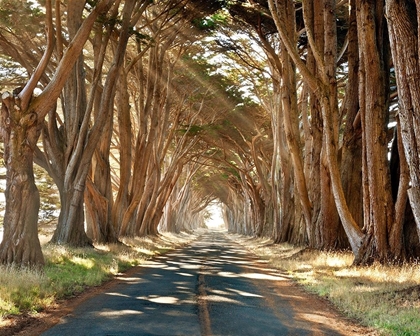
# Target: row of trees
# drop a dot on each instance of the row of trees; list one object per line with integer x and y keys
{"x": 104, "y": 62}
{"x": 341, "y": 175}
{"x": 300, "y": 117}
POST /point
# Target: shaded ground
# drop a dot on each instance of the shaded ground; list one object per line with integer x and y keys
{"x": 212, "y": 287}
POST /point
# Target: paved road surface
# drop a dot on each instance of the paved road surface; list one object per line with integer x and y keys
{"x": 212, "y": 287}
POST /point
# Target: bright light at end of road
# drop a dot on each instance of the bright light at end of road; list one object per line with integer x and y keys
{"x": 216, "y": 219}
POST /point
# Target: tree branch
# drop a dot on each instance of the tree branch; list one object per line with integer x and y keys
{"x": 26, "y": 94}
{"x": 48, "y": 97}
{"x": 309, "y": 78}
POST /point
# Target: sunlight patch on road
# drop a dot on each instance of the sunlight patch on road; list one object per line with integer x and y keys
{"x": 185, "y": 265}
{"x": 160, "y": 299}
{"x": 165, "y": 299}
{"x": 243, "y": 293}
{"x": 227, "y": 274}
{"x": 153, "y": 265}
{"x": 117, "y": 294}
{"x": 185, "y": 274}
{"x": 219, "y": 292}
{"x": 132, "y": 280}
{"x": 181, "y": 283}
{"x": 261, "y": 276}
{"x": 112, "y": 313}
{"x": 182, "y": 288}
{"x": 258, "y": 276}
{"x": 219, "y": 298}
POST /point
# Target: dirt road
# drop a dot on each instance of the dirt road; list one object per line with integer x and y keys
{"x": 212, "y": 287}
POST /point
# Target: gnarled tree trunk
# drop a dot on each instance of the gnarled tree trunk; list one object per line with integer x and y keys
{"x": 20, "y": 244}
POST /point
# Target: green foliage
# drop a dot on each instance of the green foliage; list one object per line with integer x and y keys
{"x": 210, "y": 23}
{"x": 140, "y": 38}
{"x": 191, "y": 130}
{"x": 20, "y": 15}
{"x": 233, "y": 172}
{"x": 20, "y": 21}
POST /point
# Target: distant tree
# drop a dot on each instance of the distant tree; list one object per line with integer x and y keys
{"x": 156, "y": 107}
{"x": 161, "y": 108}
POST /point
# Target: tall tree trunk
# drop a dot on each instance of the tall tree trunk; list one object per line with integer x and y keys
{"x": 282, "y": 181}
{"x": 100, "y": 193}
{"x": 71, "y": 224}
{"x": 125, "y": 138}
{"x": 74, "y": 107}
{"x": 98, "y": 213}
{"x": 400, "y": 176}
{"x": 143, "y": 154}
{"x": 20, "y": 244}
{"x": 378, "y": 202}
{"x": 290, "y": 117}
{"x": 403, "y": 20}
{"x": 351, "y": 152}
{"x": 315, "y": 22}
{"x": 330, "y": 227}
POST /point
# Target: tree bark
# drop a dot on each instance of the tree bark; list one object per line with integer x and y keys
{"x": 74, "y": 106}
{"x": 402, "y": 18}
{"x": 125, "y": 139}
{"x": 326, "y": 95}
{"x": 290, "y": 118}
{"x": 20, "y": 244}
{"x": 378, "y": 203}
{"x": 351, "y": 153}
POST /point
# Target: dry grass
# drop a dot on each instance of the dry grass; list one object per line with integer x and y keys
{"x": 384, "y": 297}
{"x": 22, "y": 290}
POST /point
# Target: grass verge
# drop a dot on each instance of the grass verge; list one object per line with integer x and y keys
{"x": 69, "y": 271}
{"x": 384, "y": 297}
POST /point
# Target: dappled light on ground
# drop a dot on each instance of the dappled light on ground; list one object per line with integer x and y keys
{"x": 212, "y": 287}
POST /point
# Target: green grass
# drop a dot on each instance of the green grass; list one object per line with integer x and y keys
{"x": 23, "y": 290}
{"x": 386, "y": 298}
{"x": 69, "y": 271}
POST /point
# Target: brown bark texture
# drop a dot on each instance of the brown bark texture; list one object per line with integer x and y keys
{"x": 402, "y": 19}
{"x": 20, "y": 245}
